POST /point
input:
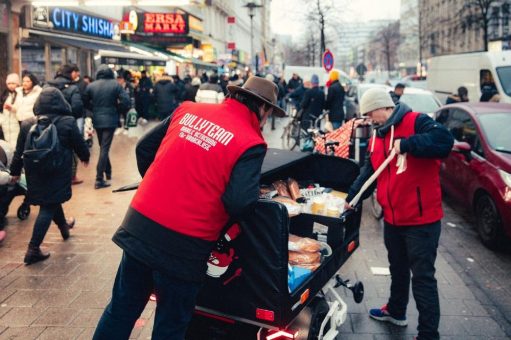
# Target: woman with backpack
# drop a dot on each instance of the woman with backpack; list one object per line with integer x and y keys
{"x": 48, "y": 189}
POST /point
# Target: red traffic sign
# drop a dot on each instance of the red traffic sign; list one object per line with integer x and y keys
{"x": 328, "y": 61}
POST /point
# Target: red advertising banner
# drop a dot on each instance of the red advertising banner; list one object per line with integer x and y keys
{"x": 175, "y": 23}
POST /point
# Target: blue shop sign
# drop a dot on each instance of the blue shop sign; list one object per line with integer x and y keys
{"x": 74, "y": 22}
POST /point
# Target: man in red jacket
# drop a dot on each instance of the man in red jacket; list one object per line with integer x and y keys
{"x": 201, "y": 172}
{"x": 411, "y": 202}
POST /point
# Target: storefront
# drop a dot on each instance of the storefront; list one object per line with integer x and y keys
{"x": 4, "y": 43}
{"x": 173, "y": 35}
{"x": 53, "y": 36}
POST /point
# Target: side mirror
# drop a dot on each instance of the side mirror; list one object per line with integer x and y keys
{"x": 464, "y": 148}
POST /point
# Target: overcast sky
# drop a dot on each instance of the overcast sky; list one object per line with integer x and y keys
{"x": 285, "y": 14}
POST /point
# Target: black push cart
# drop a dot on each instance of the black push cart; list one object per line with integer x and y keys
{"x": 248, "y": 297}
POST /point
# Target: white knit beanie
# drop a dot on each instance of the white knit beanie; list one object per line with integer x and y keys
{"x": 374, "y": 99}
{"x": 13, "y": 78}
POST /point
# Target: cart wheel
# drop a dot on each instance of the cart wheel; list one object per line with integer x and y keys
{"x": 358, "y": 292}
{"x": 23, "y": 211}
{"x": 319, "y": 309}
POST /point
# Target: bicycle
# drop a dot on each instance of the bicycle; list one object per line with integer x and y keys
{"x": 295, "y": 135}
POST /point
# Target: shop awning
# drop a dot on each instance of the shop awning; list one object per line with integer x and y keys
{"x": 110, "y": 52}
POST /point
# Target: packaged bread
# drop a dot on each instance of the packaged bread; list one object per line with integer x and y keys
{"x": 281, "y": 188}
{"x": 294, "y": 189}
{"x": 303, "y": 244}
{"x": 299, "y": 258}
{"x": 292, "y": 207}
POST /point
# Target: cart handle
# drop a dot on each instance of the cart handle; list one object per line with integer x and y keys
{"x": 129, "y": 187}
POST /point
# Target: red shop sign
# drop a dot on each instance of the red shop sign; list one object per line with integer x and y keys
{"x": 175, "y": 23}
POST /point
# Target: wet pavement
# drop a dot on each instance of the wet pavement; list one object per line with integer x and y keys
{"x": 63, "y": 297}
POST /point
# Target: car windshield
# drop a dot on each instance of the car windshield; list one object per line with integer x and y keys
{"x": 419, "y": 102}
{"x": 497, "y": 128}
{"x": 504, "y": 74}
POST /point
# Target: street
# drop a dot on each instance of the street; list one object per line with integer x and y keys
{"x": 63, "y": 297}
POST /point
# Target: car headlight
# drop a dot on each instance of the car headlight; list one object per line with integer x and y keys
{"x": 506, "y": 177}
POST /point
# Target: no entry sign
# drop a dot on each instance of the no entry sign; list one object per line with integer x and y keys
{"x": 328, "y": 61}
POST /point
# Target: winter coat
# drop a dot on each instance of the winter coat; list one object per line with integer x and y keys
{"x": 106, "y": 98}
{"x": 335, "y": 102}
{"x": 312, "y": 103}
{"x": 71, "y": 92}
{"x": 57, "y": 187}
{"x": 143, "y": 96}
{"x": 395, "y": 97}
{"x": 165, "y": 95}
{"x": 210, "y": 93}
{"x": 8, "y": 121}
{"x": 24, "y": 107}
{"x": 190, "y": 92}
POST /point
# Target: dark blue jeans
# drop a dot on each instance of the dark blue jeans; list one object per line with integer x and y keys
{"x": 104, "y": 167}
{"x": 133, "y": 285}
{"x": 47, "y": 213}
{"x": 413, "y": 249}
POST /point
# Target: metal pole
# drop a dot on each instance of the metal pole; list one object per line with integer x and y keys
{"x": 251, "y": 40}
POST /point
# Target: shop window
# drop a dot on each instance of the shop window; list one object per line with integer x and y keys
{"x": 71, "y": 56}
{"x": 32, "y": 59}
{"x": 56, "y": 60}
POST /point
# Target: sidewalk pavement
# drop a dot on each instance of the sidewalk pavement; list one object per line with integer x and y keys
{"x": 63, "y": 297}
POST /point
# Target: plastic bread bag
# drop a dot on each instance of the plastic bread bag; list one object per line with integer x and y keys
{"x": 292, "y": 207}
{"x": 267, "y": 191}
{"x": 298, "y": 258}
{"x": 294, "y": 190}
{"x": 303, "y": 244}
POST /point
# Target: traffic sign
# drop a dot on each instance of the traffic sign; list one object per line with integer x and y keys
{"x": 328, "y": 61}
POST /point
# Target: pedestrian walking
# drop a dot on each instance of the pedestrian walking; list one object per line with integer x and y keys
{"x": 6, "y": 152}
{"x": 210, "y": 92}
{"x": 312, "y": 103}
{"x": 166, "y": 238}
{"x": 191, "y": 89}
{"x": 50, "y": 190}
{"x": 105, "y": 98}
{"x": 27, "y": 96}
{"x": 165, "y": 96}
{"x": 8, "y": 121}
{"x": 65, "y": 81}
{"x": 143, "y": 95}
{"x": 397, "y": 93}
{"x": 335, "y": 99}
{"x": 411, "y": 202}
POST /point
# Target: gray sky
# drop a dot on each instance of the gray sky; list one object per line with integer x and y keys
{"x": 284, "y": 13}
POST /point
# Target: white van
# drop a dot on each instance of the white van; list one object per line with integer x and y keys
{"x": 472, "y": 70}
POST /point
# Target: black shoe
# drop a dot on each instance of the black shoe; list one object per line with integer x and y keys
{"x": 108, "y": 177}
{"x": 64, "y": 229}
{"x": 34, "y": 254}
{"x": 101, "y": 184}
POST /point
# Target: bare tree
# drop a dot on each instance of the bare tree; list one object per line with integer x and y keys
{"x": 476, "y": 14}
{"x": 385, "y": 44}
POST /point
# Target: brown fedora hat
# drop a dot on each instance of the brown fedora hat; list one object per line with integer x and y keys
{"x": 263, "y": 89}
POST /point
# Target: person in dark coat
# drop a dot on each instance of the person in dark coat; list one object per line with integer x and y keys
{"x": 50, "y": 191}
{"x": 312, "y": 103}
{"x": 143, "y": 95}
{"x": 105, "y": 98}
{"x": 335, "y": 100}
{"x": 65, "y": 82}
{"x": 461, "y": 96}
{"x": 191, "y": 89}
{"x": 294, "y": 83}
{"x": 165, "y": 96}
{"x": 397, "y": 93}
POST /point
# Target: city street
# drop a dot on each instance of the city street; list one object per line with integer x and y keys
{"x": 63, "y": 297}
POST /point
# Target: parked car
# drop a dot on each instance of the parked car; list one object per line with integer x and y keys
{"x": 420, "y": 100}
{"x": 478, "y": 171}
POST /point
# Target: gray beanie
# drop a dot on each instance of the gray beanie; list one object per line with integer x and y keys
{"x": 374, "y": 99}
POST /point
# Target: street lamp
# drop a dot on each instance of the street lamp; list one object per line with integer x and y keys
{"x": 251, "y": 6}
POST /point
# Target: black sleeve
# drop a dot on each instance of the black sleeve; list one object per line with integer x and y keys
{"x": 306, "y": 100}
{"x": 17, "y": 159}
{"x": 149, "y": 144}
{"x": 431, "y": 139}
{"x": 242, "y": 191}
{"x": 87, "y": 99}
{"x": 329, "y": 98}
{"x": 124, "y": 102}
{"x": 366, "y": 172}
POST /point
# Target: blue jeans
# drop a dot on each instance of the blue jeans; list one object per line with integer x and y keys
{"x": 133, "y": 285}
{"x": 413, "y": 249}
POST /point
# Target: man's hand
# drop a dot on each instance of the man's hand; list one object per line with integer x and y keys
{"x": 397, "y": 146}
{"x": 15, "y": 179}
{"x": 347, "y": 206}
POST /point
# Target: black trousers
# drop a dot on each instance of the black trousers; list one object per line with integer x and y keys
{"x": 104, "y": 167}
{"x": 414, "y": 249}
{"x": 47, "y": 213}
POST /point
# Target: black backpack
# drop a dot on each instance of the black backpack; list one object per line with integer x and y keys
{"x": 43, "y": 152}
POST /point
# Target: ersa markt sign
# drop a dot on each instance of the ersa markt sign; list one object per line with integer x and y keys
{"x": 328, "y": 61}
